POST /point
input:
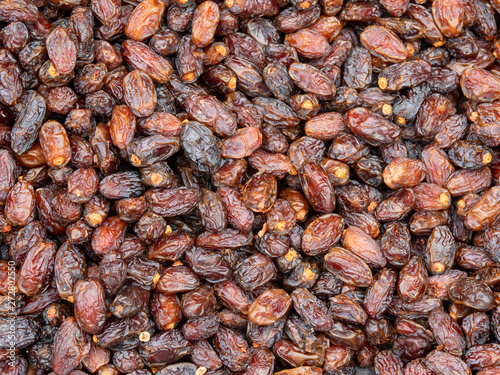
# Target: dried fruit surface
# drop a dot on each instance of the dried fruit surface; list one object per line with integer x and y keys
{"x": 249, "y": 187}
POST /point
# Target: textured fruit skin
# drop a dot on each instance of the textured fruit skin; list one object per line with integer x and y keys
{"x": 249, "y": 187}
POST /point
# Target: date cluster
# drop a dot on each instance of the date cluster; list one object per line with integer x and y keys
{"x": 249, "y": 187}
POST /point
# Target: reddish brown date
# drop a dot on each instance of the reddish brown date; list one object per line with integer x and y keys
{"x": 317, "y": 187}
{"x": 61, "y": 50}
{"x": 348, "y": 267}
{"x": 55, "y": 144}
{"x": 38, "y": 268}
{"x": 145, "y": 20}
{"x": 269, "y": 307}
{"x": 90, "y": 305}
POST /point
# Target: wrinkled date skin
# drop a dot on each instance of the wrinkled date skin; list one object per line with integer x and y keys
{"x": 447, "y": 332}
{"x": 139, "y": 93}
{"x": 384, "y": 43}
{"x": 477, "y": 294}
{"x": 11, "y": 86}
{"x": 322, "y": 233}
{"x": 232, "y": 349}
{"x": 205, "y": 22}
{"x": 90, "y": 305}
{"x": 37, "y": 269}
{"x": 379, "y": 295}
{"x": 249, "y": 187}
{"x": 69, "y": 335}
{"x": 55, "y": 144}
{"x": 260, "y": 192}
{"x": 145, "y": 20}
{"x": 269, "y": 307}
{"x": 413, "y": 280}
{"x": 20, "y": 204}
{"x": 317, "y": 187}
{"x": 61, "y": 50}
{"x": 348, "y": 267}
{"x": 200, "y": 145}
{"x": 28, "y": 123}
{"x": 362, "y": 123}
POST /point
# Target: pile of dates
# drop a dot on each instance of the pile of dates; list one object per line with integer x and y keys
{"x": 249, "y": 187}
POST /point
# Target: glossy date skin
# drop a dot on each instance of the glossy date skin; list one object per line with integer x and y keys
{"x": 249, "y": 187}
{"x": 317, "y": 187}
{"x": 322, "y": 233}
{"x": 37, "y": 269}
{"x": 348, "y": 267}
{"x": 90, "y": 305}
{"x": 69, "y": 334}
